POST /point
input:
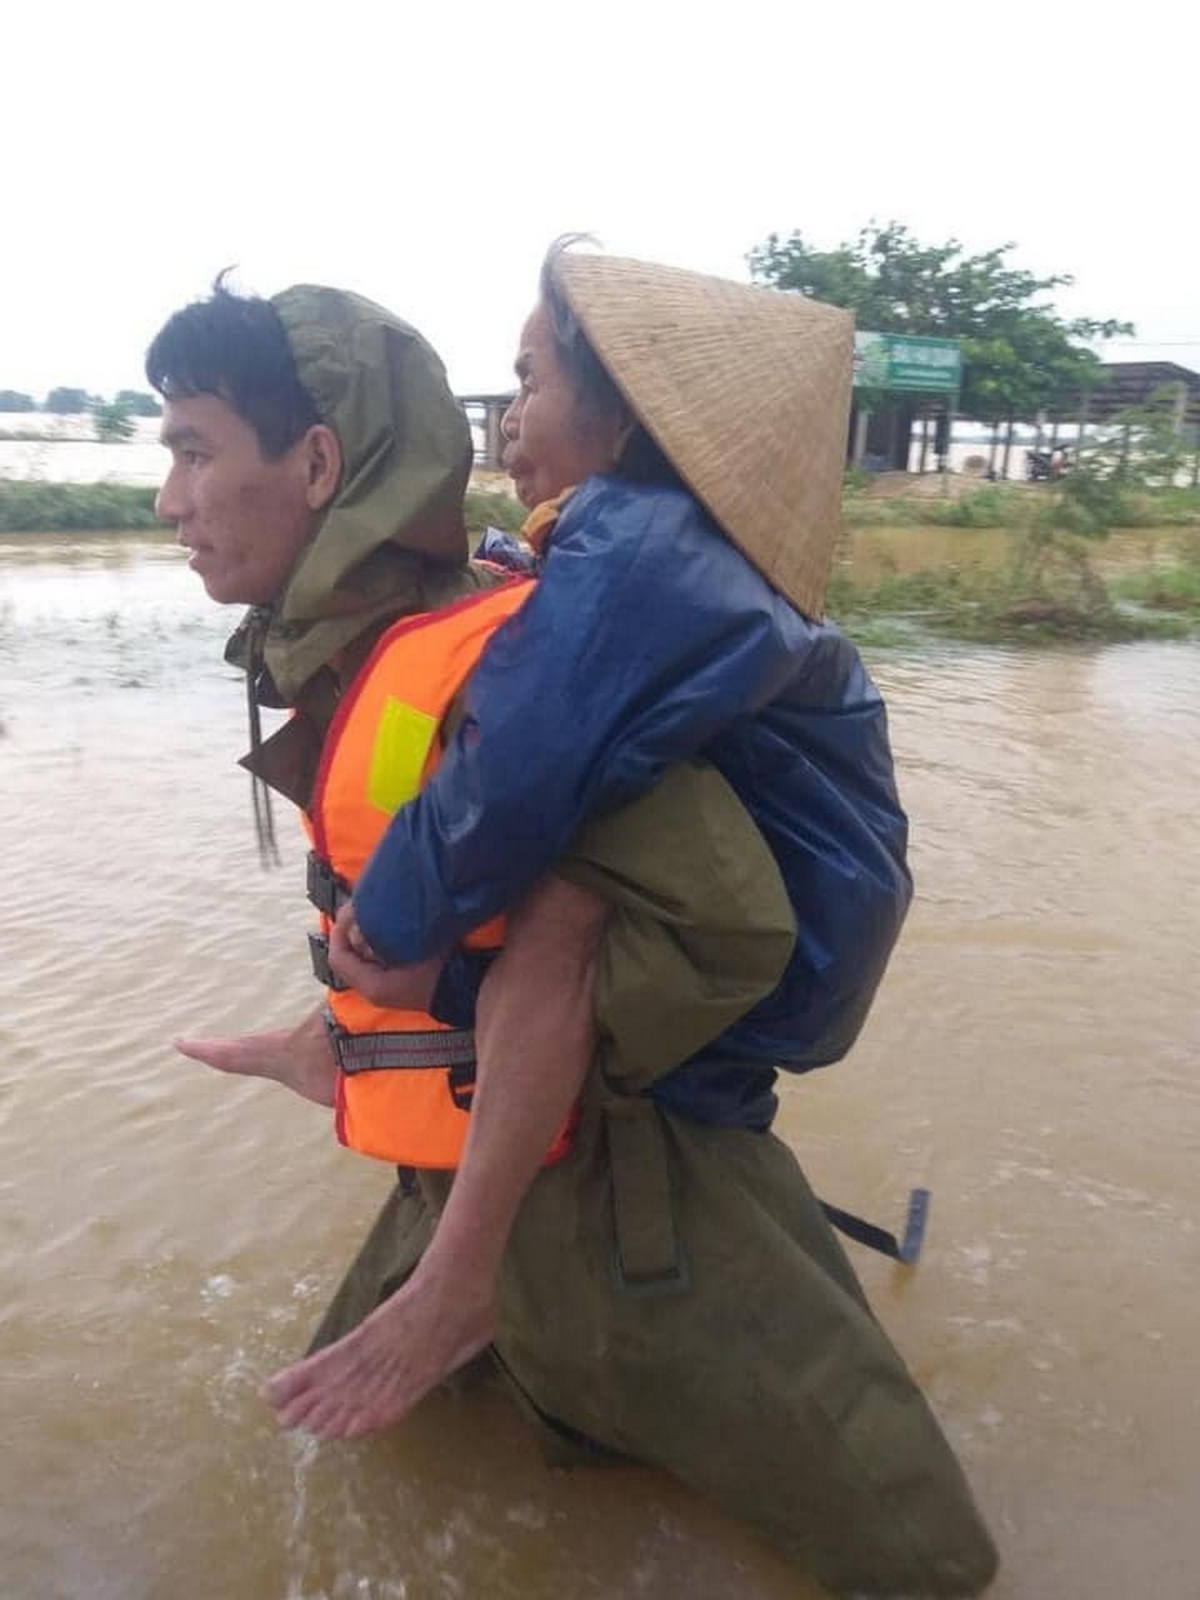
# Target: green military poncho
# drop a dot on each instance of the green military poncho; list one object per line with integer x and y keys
{"x": 672, "y": 1292}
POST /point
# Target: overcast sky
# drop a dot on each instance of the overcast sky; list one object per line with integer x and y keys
{"x": 425, "y": 154}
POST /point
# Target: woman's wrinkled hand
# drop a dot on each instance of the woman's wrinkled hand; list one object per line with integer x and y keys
{"x": 407, "y": 988}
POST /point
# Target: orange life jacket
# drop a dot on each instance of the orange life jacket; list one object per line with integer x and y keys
{"x": 404, "y": 1079}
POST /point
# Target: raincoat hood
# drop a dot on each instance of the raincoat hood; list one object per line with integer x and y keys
{"x": 397, "y": 515}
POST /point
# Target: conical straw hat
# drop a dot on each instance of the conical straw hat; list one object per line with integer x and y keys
{"x": 746, "y": 390}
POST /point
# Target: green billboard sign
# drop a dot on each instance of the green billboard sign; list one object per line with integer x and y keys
{"x": 903, "y": 363}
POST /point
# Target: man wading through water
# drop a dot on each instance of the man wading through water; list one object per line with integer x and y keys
{"x": 643, "y": 1258}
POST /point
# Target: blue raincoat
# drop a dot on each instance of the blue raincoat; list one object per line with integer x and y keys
{"x": 651, "y": 640}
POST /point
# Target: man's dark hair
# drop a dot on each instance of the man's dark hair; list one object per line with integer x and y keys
{"x": 234, "y": 346}
{"x": 642, "y": 461}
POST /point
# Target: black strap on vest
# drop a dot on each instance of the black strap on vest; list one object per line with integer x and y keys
{"x": 451, "y": 1050}
{"x": 327, "y": 889}
{"x": 417, "y": 1050}
{"x": 318, "y": 954}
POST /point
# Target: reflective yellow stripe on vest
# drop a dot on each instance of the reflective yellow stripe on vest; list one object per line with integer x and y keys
{"x": 399, "y": 755}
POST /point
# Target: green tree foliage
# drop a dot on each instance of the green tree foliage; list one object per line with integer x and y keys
{"x": 68, "y": 402}
{"x": 139, "y": 404}
{"x": 14, "y": 400}
{"x": 1020, "y": 357}
{"x": 112, "y": 421}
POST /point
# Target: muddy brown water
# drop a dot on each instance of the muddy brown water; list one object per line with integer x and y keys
{"x": 167, "y": 1237}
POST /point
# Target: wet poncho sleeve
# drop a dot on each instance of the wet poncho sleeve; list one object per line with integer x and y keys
{"x": 647, "y": 636}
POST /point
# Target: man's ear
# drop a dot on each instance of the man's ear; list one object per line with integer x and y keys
{"x": 322, "y": 457}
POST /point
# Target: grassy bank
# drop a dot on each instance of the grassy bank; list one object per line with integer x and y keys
{"x": 1050, "y": 584}
{"x": 1047, "y": 586}
{"x": 35, "y": 507}
{"x": 493, "y": 508}
{"x": 1008, "y": 506}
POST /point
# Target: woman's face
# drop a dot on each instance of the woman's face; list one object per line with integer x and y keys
{"x": 555, "y": 440}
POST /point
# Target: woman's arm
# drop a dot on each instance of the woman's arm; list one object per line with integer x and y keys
{"x": 647, "y": 636}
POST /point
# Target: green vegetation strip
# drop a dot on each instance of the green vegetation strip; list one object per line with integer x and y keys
{"x": 36, "y": 507}
{"x": 1047, "y": 589}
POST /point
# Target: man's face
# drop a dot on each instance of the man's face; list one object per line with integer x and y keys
{"x": 244, "y": 518}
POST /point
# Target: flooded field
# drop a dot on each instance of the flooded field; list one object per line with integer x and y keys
{"x": 168, "y": 1237}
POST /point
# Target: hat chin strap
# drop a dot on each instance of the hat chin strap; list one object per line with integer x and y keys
{"x": 626, "y": 431}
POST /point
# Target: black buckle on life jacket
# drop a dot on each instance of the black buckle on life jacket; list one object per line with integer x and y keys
{"x": 318, "y": 951}
{"x": 327, "y": 889}
{"x": 461, "y": 1077}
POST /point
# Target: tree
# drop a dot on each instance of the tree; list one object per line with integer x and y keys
{"x": 1019, "y": 356}
{"x": 139, "y": 404}
{"x": 68, "y": 402}
{"x": 13, "y": 400}
{"x": 112, "y": 421}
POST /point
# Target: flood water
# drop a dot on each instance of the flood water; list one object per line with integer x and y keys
{"x": 167, "y": 1237}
